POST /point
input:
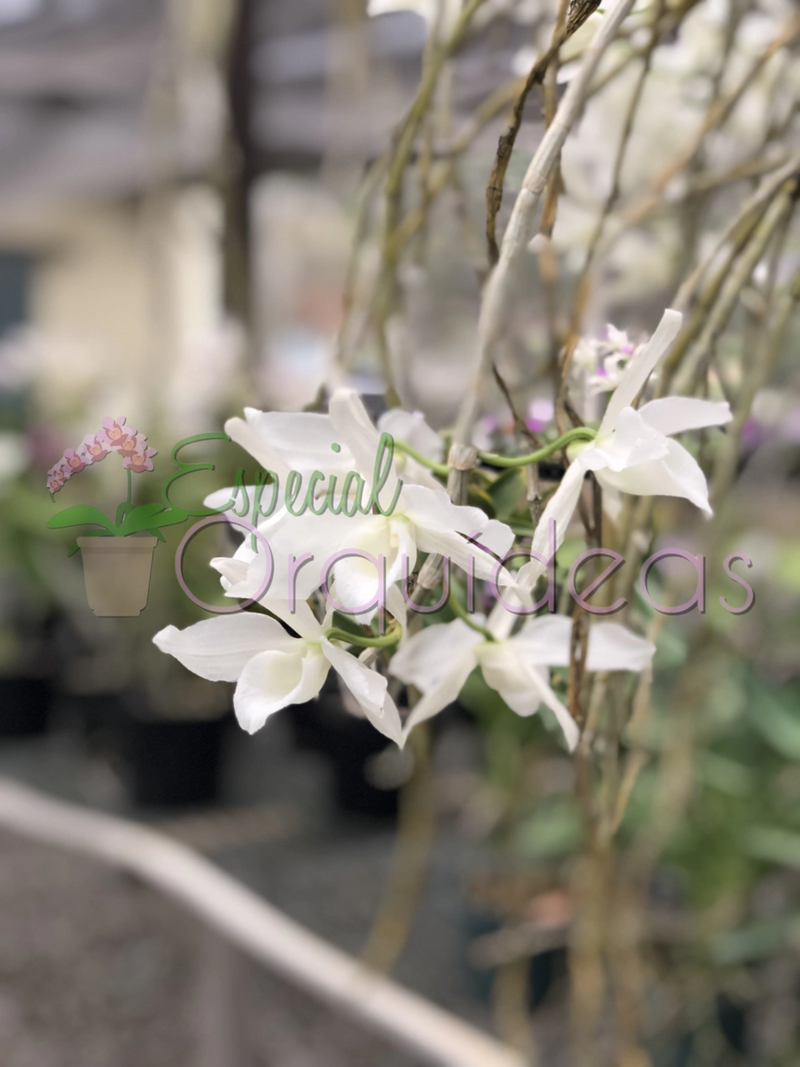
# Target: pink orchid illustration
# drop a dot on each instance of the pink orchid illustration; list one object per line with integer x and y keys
{"x": 117, "y": 432}
{"x": 132, "y": 445}
{"x": 139, "y": 462}
{"x": 129, "y": 519}
{"x": 73, "y": 462}
{"x": 57, "y": 477}
{"x": 95, "y": 447}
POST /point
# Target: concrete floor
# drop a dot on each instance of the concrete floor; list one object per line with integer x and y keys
{"x": 96, "y": 970}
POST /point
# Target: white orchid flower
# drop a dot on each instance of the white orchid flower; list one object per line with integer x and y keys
{"x": 412, "y": 428}
{"x": 634, "y": 451}
{"x": 439, "y": 659}
{"x": 272, "y": 669}
{"x": 423, "y": 518}
{"x": 426, "y": 9}
{"x": 446, "y": 11}
{"x": 303, "y": 441}
{"x": 430, "y": 10}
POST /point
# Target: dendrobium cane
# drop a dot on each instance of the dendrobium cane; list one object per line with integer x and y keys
{"x": 272, "y": 669}
{"x": 634, "y": 451}
{"x": 439, "y": 659}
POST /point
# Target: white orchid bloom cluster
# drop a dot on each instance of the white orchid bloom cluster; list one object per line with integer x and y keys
{"x": 336, "y": 550}
{"x": 439, "y": 660}
{"x": 634, "y": 451}
{"x": 273, "y": 669}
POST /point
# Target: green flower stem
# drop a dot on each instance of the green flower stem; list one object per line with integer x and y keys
{"x": 580, "y": 433}
{"x": 438, "y": 468}
{"x": 390, "y": 638}
{"x": 461, "y": 612}
{"x": 130, "y": 486}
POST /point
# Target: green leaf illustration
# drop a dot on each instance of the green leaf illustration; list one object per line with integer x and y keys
{"x": 140, "y": 518}
{"x": 151, "y": 517}
{"x": 122, "y": 511}
{"x": 81, "y": 515}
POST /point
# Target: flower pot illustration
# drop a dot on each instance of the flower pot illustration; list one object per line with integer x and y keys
{"x": 117, "y": 573}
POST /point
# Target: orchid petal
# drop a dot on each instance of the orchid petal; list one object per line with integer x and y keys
{"x": 218, "y": 649}
{"x": 444, "y": 692}
{"x": 502, "y": 619}
{"x": 522, "y": 685}
{"x": 433, "y": 509}
{"x": 545, "y": 641}
{"x": 631, "y": 441}
{"x": 640, "y": 368}
{"x": 244, "y": 434}
{"x": 283, "y": 441}
{"x": 677, "y": 474}
{"x": 613, "y": 647}
{"x": 414, "y": 431}
{"x": 370, "y": 690}
{"x": 676, "y": 414}
{"x": 412, "y": 428}
{"x": 428, "y": 656}
{"x": 353, "y": 425}
{"x": 437, "y": 661}
{"x": 272, "y": 681}
{"x": 356, "y": 579}
{"x": 559, "y": 510}
{"x": 397, "y": 607}
{"x": 569, "y": 727}
{"x": 503, "y": 670}
{"x": 298, "y": 616}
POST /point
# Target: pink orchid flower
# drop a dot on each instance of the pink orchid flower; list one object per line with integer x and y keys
{"x": 95, "y": 447}
{"x": 73, "y": 462}
{"x": 58, "y": 476}
{"x": 132, "y": 446}
{"x": 139, "y": 462}
{"x": 117, "y": 432}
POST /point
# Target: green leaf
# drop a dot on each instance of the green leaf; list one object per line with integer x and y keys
{"x": 758, "y": 941}
{"x": 151, "y": 517}
{"x": 122, "y": 510}
{"x": 777, "y": 724}
{"x": 478, "y": 498}
{"x": 140, "y": 518}
{"x": 724, "y": 774}
{"x": 774, "y": 845}
{"x": 506, "y": 491}
{"x": 173, "y": 517}
{"x": 556, "y": 831}
{"x": 81, "y": 515}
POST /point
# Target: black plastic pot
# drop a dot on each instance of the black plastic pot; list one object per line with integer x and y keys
{"x": 171, "y": 762}
{"x": 24, "y": 706}
{"x": 350, "y": 744}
